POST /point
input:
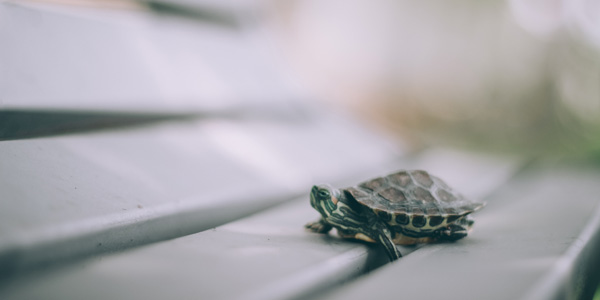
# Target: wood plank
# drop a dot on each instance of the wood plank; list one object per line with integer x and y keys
{"x": 109, "y": 190}
{"x": 21, "y": 124}
{"x": 527, "y": 244}
{"x": 265, "y": 256}
{"x": 73, "y": 58}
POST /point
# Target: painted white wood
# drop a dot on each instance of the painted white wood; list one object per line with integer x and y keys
{"x": 527, "y": 244}
{"x": 254, "y": 145}
{"x": 61, "y": 57}
{"x": 100, "y": 191}
{"x": 266, "y": 256}
{"x": 88, "y": 194}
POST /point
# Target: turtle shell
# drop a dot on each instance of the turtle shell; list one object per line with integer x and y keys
{"x": 413, "y": 200}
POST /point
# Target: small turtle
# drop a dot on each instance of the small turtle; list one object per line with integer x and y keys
{"x": 407, "y": 207}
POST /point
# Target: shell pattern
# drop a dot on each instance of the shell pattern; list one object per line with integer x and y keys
{"x": 413, "y": 201}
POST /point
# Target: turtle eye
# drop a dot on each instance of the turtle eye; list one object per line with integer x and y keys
{"x": 323, "y": 194}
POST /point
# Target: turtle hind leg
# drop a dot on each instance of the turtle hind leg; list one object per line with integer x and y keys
{"x": 320, "y": 226}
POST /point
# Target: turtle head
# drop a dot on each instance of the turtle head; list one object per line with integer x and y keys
{"x": 324, "y": 199}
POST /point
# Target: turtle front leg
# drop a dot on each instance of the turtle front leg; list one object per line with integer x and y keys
{"x": 384, "y": 237}
{"x": 380, "y": 233}
{"x": 320, "y": 226}
{"x": 457, "y": 230}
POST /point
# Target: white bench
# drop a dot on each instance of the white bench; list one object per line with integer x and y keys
{"x": 173, "y": 198}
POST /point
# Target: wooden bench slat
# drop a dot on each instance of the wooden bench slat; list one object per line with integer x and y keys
{"x": 265, "y": 256}
{"x": 72, "y": 58}
{"x": 531, "y": 227}
{"x": 83, "y": 194}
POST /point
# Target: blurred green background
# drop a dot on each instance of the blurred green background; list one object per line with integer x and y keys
{"x": 521, "y": 77}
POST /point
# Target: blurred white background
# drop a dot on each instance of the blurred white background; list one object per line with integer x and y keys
{"x": 518, "y": 76}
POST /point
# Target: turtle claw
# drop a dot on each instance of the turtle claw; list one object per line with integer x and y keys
{"x": 453, "y": 232}
{"x": 318, "y": 227}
